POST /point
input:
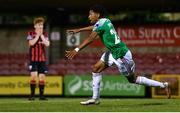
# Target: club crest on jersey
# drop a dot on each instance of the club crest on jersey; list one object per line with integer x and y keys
{"x": 97, "y": 25}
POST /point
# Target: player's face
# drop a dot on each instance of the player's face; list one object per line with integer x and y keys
{"x": 93, "y": 16}
{"x": 39, "y": 25}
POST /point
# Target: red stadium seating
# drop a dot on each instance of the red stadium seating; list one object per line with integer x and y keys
{"x": 152, "y": 63}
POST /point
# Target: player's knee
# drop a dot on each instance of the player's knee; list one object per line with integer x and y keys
{"x": 42, "y": 76}
{"x": 131, "y": 78}
{"x": 33, "y": 77}
{"x": 95, "y": 69}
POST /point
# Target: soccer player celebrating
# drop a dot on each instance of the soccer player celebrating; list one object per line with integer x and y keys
{"x": 38, "y": 41}
{"x": 118, "y": 54}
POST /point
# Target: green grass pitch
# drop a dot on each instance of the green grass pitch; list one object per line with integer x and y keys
{"x": 73, "y": 105}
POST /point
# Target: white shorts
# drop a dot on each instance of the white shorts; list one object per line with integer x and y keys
{"x": 125, "y": 65}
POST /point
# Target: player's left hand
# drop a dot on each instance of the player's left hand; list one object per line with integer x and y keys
{"x": 70, "y": 54}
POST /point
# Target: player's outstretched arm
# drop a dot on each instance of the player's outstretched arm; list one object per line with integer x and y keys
{"x": 89, "y": 28}
{"x": 86, "y": 42}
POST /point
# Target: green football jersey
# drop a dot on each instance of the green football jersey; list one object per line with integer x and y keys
{"x": 109, "y": 37}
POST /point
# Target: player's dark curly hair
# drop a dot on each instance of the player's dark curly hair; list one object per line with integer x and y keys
{"x": 99, "y": 9}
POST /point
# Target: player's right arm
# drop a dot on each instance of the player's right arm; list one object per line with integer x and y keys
{"x": 32, "y": 40}
{"x": 89, "y": 28}
{"x": 86, "y": 42}
{"x": 96, "y": 30}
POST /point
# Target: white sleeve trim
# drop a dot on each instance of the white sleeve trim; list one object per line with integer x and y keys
{"x": 99, "y": 23}
{"x": 29, "y": 37}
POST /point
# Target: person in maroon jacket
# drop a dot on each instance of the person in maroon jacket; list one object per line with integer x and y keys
{"x": 38, "y": 41}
